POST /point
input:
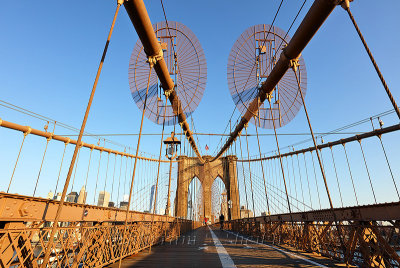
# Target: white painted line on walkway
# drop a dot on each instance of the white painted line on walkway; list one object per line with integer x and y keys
{"x": 286, "y": 252}
{"x": 226, "y": 260}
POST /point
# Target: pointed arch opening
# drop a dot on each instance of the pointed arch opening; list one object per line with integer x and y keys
{"x": 195, "y": 206}
{"x": 219, "y": 200}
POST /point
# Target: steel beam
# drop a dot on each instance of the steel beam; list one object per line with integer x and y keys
{"x": 20, "y": 208}
{"x": 315, "y": 17}
{"x": 378, "y": 212}
{"x": 140, "y": 19}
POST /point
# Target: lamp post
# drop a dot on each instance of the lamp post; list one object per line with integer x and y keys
{"x": 171, "y": 152}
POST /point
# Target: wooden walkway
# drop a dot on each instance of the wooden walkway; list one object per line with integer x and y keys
{"x": 198, "y": 249}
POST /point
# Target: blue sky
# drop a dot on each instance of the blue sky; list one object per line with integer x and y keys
{"x": 50, "y": 51}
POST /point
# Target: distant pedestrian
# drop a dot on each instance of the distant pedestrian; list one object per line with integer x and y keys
{"x": 221, "y": 221}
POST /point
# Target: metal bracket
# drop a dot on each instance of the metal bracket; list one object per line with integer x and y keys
{"x": 345, "y": 4}
{"x": 152, "y": 60}
{"x": 294, "y": 63}
{"x": 168, "y": 92}
{"x": 28, "y": 131}
{"x": 269, "y": 96}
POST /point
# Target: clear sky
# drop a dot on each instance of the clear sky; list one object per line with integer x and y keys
{"x": 50, "y": 51}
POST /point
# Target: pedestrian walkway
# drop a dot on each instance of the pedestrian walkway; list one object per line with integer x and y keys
{"x": 211, "y": 247}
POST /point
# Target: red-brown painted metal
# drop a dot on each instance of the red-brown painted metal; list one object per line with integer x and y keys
{"x": 318, "y": 13}
{"x": 140, "y": 19}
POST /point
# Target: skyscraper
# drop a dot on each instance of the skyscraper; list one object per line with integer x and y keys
{"x": 72, "y": 197}
{"x": 82, "y": 196}
{"x": 104, "y": 198}
{"x": 151, "y": 198}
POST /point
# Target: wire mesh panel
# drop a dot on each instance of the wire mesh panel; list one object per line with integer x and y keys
{"x": 250, "y": 62}
{"x": 186, "y": 64}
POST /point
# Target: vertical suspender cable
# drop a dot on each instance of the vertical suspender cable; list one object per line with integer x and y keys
{"x": 134, "y": 170}
{"x": 366, "y": 167}
{"x": 280, "y": 159}
{"x": 244, "y": 181}
{"x": 337, "y": 178}
{"x": 316, "y": 151}
{"x": 59, "y": 172}
{"x": 16, "y": 162}
{"x": 158, "y": 172}
{"x": 78, "y": 142}
{"x": 251, "y": 180}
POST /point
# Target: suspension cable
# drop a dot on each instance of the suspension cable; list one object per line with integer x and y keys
{"x": 280, "y": 159}
{"x": 251, "y": 180}
{"x": 308, "y": 181}
{"x": 97, "y": 179}
{"x": 388, "y": 164}
{"x": 337, "y": 177}
{"x": 158, "y": 173}
{"x": 16, "y": 162}
{"x": 262, "y": 169}
{"x": 316, "y": 151}
{"x": 244, "y": 178}
{"x": 134, "y": 167}
{"x": 44, "y": 154}
{"x": 301, "y": 180}
{"x": 60, "y": 206}
{"x": 59, "y": 172}
{"x": 366, "y": 167}
{"x": 346, "y": 6}
{"x": 351, "y": 175}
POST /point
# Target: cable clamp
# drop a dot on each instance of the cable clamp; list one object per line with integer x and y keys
{"x": 294, "y": 63}
{"x": 168, "y": 92}
{"x": 269, "y": 96}
{"x": 345, "y": 4}
{"x": 120, "y": 2}
{"x": 28, "y": 131}
{"x": 50, "y": 137}
{"x": 1, "y": 121}
{"x": 152, "y": 60}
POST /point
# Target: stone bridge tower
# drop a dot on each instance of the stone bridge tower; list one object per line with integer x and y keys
{"x": 190, "y": 167}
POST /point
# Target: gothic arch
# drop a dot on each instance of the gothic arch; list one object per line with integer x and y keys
{"x": 224, "y": 167}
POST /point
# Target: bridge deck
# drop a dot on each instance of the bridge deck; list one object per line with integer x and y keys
{"x": 201, "y": 251}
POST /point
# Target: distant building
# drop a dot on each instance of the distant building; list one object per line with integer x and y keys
{"x": 82, "y": 196}
{"x": 245, "y": 213}
{"x": 72, "y": 197}
{"x": 224, "y": 204}
{"x": 153, "y": 188}
{"x": 58, "y": 196}
{"x": 104, "y": 198}
{"x": 111, "y": 204}
{"x": 265, "y": 213}
{"x": 123, "y": 205}
{"x": 50, "y": 195}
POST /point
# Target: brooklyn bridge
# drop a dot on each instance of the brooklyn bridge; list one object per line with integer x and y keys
{"x": 301, "y": 170}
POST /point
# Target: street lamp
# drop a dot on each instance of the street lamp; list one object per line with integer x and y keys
{"x": 171, "y": 144}
{"x": 171, "y": 152}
